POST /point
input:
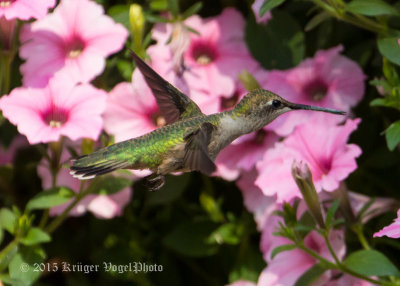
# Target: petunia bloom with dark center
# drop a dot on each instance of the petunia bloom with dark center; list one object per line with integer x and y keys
{"x": 55, "y": 117}
{"x": 6, "y": 3}
{"x": 157, "y": 119}
{"x": 74, "y": 48}
{"x": 316, "y": 89}
{"x": 203, "y": 52}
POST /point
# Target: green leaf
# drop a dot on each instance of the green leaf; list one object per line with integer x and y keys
{"x": 370, "y": 263}
{"x": 196, "y": 7}
{"x": 390, "y": 48}
{"x": 22, "y": 265}
{"x": 125, "y": 68}
{"x": 339, "y": 221}
{"x": 390, "y": 72}
{"x": 305, "y": 223}
{"x": 191, "y": 239}
{"x": 304, "y": 228}
{"x": 35, "y": 235}
{"x": 212, "y": 206}
{"x": 311, "y": 275}
{"x": 316, "y": 20}
{"x": 109, "y": 185}
{"x": 393, "y": 135}
{"x": 50, "y": 198}
{"x": 120, "y": 14}
{"x": 1, "y": 235}
{"x": 8, "y": 280}
{"x": 229, "y": 233}
{"x": 6, "y": 258}
{"x": 378, "y": 102}
{"x": 172, "y": 190}
{"x": 282, "y": 248}
{"x": 331, "y": 213}
{"x": 8, "y": 220}
{"x": 390, "y": 101}
{"x": 371, "y": 8}
{"x": 173, "y": 7}
{"x": 158, "y": 5}
{"x": 381, "y": 84}
{"x": 269, "y": 5}
{"x": 152, "y": 18}
{"x": 248, "y": 263}
{"x": 278, "y": 45}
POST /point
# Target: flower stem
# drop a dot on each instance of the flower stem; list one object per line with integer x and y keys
{"x": 356, "y": 20}
{"x": 328, "y": 244}
{"x": 5, "y": 67}
{"x": 359, "y": 232}
{"x": 63, "y": 216}
{"x": 44, "y": 219}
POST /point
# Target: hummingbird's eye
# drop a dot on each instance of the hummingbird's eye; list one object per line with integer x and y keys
{"x": 276, "y": 103}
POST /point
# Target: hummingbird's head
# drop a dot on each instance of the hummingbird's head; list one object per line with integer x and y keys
{"x": 260, "y": 103}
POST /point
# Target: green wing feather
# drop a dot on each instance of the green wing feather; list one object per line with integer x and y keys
{"x": 174, "y": 105}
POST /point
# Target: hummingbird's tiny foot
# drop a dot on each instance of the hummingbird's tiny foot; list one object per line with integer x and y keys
{"x": 154, "y": 182}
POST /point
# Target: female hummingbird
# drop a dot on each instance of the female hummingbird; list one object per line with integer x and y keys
{"x": 191, "y": 140}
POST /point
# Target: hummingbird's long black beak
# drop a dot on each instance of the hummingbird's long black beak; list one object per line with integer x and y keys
{"x": 316, "y": 108}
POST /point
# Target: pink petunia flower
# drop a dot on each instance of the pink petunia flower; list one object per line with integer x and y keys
{"x": 348, "y": 280}
{"x": 328, "y": 80}
{"x": 392, "y": 230}
{"x": 256, "y": 10}
{"x": 72, "y": 42}
{"x": 379, "y": 206}
{"x": 322, "y": 145}
{"x": 25, "y": 9}
{"x": 45, "y": 114}
{"x": 7, "y": 155}
{"x": 213, "y": 59}
{"x": 244, "y": 153}
{"x": 131, "y": 110}
{"x": 256, "y": 202}
{"x": 102, "y": 206}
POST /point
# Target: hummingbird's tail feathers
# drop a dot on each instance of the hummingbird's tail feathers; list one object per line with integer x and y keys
{"x": 93, "y": 165}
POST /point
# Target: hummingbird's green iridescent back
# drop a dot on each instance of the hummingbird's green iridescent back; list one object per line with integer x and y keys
{"x": 147, "y": 151}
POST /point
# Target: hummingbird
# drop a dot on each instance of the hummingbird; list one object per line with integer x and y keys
{"x": 191, "y": 140}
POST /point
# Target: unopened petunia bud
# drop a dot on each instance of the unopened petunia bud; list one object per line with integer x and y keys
{"x": 248, "y": 80}
{"x": 7, "y": 31}
{"x": 137, "y": 21}
{"x": 303, "y": 177}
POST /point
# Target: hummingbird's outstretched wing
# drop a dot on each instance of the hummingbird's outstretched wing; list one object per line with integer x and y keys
{"x": 174, "y": 105}
{"x": 196, "y": 150}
